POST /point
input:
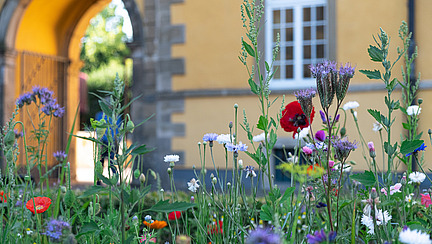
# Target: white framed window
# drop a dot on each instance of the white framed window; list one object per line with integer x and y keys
{"x": 303, "y": 29}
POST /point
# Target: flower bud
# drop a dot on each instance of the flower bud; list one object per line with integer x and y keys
{"x": 342, "y": 132}
{"x": 169, "y": 171}
{"x": 214, "y": 180}
{"x": 337, "y": 118}
{"x": 371, "y": 147}
{"x": 137, "y": 173}
{"x": 429, "y": 131}
{"x": 373, "y": 193}
{"x": 192, "y": 199}
{"x": 236, "y": 105}
{"x": 404, "y": 179}
{"x": 240, "y": 164}
{"x": 230, "y": 125}
{"x": 420, "y": 101}
{"x": 142, "y": 178}
{"x": 229, "y": 184}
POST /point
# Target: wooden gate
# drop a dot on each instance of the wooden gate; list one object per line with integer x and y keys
{"x": 34, "y": 69}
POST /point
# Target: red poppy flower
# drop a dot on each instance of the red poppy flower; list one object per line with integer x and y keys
{"x": 293, "y": 118}
{"x": 3, "y": 196}
{"x": 213, "y": 229}
{"x": 174, "y": 215}
{"x": 41, "y": 204}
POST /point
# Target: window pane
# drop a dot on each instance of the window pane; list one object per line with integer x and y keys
{"x": 276, "y": 16}
{"x": 275, "y": 32}
{"x": 307, "y": 52}
{"x": 306, "y": 33}
{"x": 306, "y": 71}
{"x": 289, "y": 16}
{"x": 289, "y": 53}
{"x": 320, "y": 51}
{"x": 277, "y": 72}
{"x": 289, "y": 72}
{"x": 289, "y": 34}
{"x": 320, "y": 32}
{"x": 320, "y": 13}
{"x": 306, "y": 14}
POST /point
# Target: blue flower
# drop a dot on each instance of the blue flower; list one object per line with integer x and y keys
{"x": 420, "y": 148}
{"x": 60, "y": 155}
{"x": 263, "y": 236}
{"x": 321, "y": 236}
{"x": 54, "y": 229}
{"x": 236, "y": 148}
{"x": 210, "y": 137}
{"x": 24, "y": 99}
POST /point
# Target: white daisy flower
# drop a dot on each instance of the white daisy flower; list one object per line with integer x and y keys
{"x": 417, "y": 177}
{"x": 377, "y": 127}
{"x": 413, "y": 110}
{"x": 193, "y": 185}
{"x": 171, "y": 158}
{"x": 350, "y": 105}
{"x": 409, "y": 197}
{"x": 414, "y": 237}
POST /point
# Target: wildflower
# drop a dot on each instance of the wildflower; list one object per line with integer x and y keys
{"x": 210, "y": 137}
{"x": 320, "y": 135}
{"x": 18, "y": 134}
{"x": 337, "y": 117}
{"x": 307, "y": 150}
{"x": 171, "y": 158}
{"x": 416, "y": 177}
{"x": 236, "y": 148}
{"x": 321, "y": 205}
{"x": 377, "y": 126}
{"x": 54, "y": 229}
{"x": 41, "y": 204}
{"x": 331, "y": 163}
{"x": 408, "y": 198}
{"x": 60, "y": 156}
{"x": 259, "y": 138}
{"x": 174, "y": 215}
{"x": 142, "y": 178}
{"x": 343, "y": 147}
{"x": 323, "y": 117}
{"x": 29, "y": 232}
{"x": 156, "y": 224}
{"x": 144, "y": 239}
{"x": 24, "y": 99}
{"x": 3, "y": 196}
{"x": 313, "y": 170}
{"x": 420, "y": 148}
{"x": 409, "y": 236}
{"x": 193, "y": 185}
{"x": 263, "y": 236}
{"x": 326, "y": 77}
{"x": 350, "y": 105}
{"x": 345, "y": 74}
{"x": 413, "y": 110}
{"x": 321, "y": 237}
{"x": 305, "y": 99}
{"x": 294, "y": 118}
{"x": 223, "y": 138}
{"x": 302, "y": 134}
{"x": 393, "y": 189}
{"x": 213, "y": 229}
{"x": 292, "y": 158}
{"x": 250, "y": 172}
{"x": 148, "y": 218}
{"x": 381, "y": 218}
{"x": 425, "y": 200}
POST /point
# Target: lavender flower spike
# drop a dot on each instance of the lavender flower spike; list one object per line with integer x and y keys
{"x": 326, "y": 77}
{"x": 305, "y": 99}
{"x": 345, "y": 74}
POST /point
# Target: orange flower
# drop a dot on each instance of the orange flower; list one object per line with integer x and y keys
{"x": 41, "y": 204}
{"x": 3, "y": 196}
{"x": 312, "y": 169}
{"x": 155, "y": 224}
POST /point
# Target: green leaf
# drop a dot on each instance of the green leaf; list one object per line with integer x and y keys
{"x": 262, "y": 123}
{"x": 93, "y": 190}
{"x": 406, "y": 126}
{"x": 372, "y": 74}
{"x": 367, "y": 178}
{"x": 249, "y": 49}
{"x": 288, "y": 192}
{"x": 345, "y": 203}
{"x": 376, "y": 114}
{"x": 105, "y": 108}
{"x": 375, "y": 54}
{"x": 88, "y": 228}
{"x": 105, "y": 180}
{"x": 409, "y": 146}
{"x": 266, "y": 213}
{"x": 267, "y": 66}
{"x": 166, "y": 207}
{"x": 253, "y": 86}
{"x": 141, "y": 150}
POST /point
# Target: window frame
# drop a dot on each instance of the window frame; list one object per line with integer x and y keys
{"x": 297, "y": 82}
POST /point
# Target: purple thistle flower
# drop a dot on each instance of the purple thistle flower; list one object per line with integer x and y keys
{"x": 321, "y": 236}
{"x": 54, "y": 229}
{"x": 323, "y": 117}
{"x": 263, "y": 236}
{"x": 60, "y": 156}
{"x": 305, "y": 99}
{"x": 343, "y": 147}
{"x": 24, "y": 99}
{"x": 320, "y": 135}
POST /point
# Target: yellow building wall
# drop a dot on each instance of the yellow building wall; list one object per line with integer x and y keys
{"x": 211, "y": 49}
{"x": 423, "y": 37}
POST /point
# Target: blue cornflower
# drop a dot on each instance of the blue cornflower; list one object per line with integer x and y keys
{"x": 210, "y": 137}
{"x": 263, "y": 236}
{"x": 54, "y": 229}
{"x": 236, "y": 148}
{"x": 250, "y": 172}
{"x": 60, "y": 155}
{"x": 321, "y": 236}
{"x": 420, "y": 148}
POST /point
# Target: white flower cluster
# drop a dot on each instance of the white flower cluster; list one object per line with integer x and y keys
{"x": 381, "y": 218}
{"x": 171, "y": 158}
{"x": 409, "y": 236}
{"x": 413, "y": 110}
{"x": 416, "y": 177}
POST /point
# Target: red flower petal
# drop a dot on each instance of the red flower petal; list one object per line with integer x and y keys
{"x": 289, "y": 116}
{"x": 41, "y": 204}
{"x": 174, "y": 215}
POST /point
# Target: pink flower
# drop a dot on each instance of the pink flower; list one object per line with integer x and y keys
{"x": 395, "y": 188}
{"x": 152, "y": 240}
{"x": 426, "y": 200}
{"x": 307, "y": 150}
{"x": 371, "y": 146}
{"x": 383, "y": 190}
{"x": 331, "y": 163}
